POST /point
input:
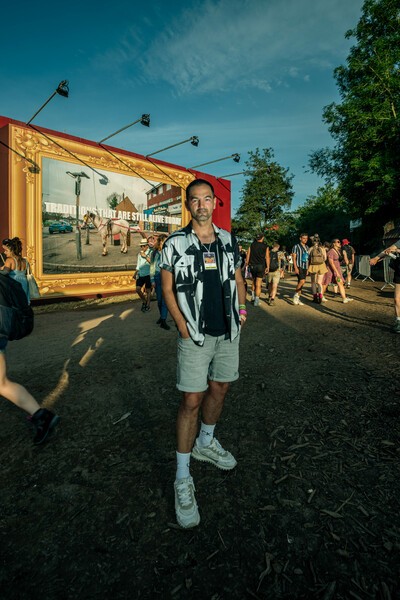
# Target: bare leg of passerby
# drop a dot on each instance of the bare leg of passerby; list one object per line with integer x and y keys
{"x": 14, "y": 392}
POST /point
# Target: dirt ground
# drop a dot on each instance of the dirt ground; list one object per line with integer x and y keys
{"x": 311, "y": 511}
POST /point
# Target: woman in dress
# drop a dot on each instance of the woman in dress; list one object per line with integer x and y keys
{"x": 44, "y": 420}
{"x": 334, "y": 258}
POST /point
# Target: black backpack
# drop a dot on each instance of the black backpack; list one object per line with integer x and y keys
{"x": 16, "y": 315}
{"x": 349, "y": 250}
{"x": 273, "y": 261}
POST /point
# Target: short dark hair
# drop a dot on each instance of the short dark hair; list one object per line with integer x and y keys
{"x": 197, "y": 182}
{"x": 259, "y": 236}
{"x": 302, "y": 234}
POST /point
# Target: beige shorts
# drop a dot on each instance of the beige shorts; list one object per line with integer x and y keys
{"x": 274, "y": 276}
{"x": 318, "y": 269}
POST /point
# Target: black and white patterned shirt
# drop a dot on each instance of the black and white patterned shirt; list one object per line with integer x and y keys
{"x": 182, "y": 255}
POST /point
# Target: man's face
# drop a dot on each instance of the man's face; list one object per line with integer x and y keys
{"x": 151, "y": 241}
{"x": 304, "y": 239}
{"x": 201, "y": 203}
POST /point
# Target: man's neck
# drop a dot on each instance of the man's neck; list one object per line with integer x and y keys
{"x": 204, "y": 231}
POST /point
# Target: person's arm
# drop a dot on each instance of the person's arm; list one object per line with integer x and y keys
{"x": 295, "y": 267}
{"x": 384, "y": 253}
{"x": 248, "y": 256}
{"x": 241, "y": 290}
{"x": 346, "y": 258}
{"x": 169, "y": 293}
{"x": 267, "y": 260}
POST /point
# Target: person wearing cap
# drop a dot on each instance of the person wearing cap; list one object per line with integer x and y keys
{"x": 143, "y": 282}
{"x": 258, "y": 261}
{"x": 204, "y": 291}
{"x": 349, "y": 255}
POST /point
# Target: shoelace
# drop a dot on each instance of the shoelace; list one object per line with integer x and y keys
{"x": 184, "y": 494}
{"x": 217, "y": 447}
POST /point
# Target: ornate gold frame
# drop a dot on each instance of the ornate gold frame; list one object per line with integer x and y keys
{"x": 25, "y": 203}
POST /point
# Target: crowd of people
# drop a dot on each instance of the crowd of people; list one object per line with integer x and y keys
{"x": 198, "y": 274}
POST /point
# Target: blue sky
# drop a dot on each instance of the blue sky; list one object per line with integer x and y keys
{"x": 239, "y": 74}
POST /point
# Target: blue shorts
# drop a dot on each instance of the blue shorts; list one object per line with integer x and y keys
{"x": 217, "y": 360}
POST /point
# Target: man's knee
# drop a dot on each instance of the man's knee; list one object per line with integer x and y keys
{"x": 218, "y": 389}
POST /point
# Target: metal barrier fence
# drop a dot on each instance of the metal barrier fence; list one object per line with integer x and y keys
{"x": 363, "y": 267}
{"x": 388, "y": 273}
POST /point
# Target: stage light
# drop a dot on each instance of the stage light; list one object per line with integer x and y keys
{"x": 62, "y": 90}
{"x": 236, "y": 158}
{"x": 144, "y": 120}
{"x": 194, "y": 140}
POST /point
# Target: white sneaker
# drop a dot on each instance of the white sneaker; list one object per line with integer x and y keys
{"x": 214, "y": 454}
{"x": 323, "y": 299}
{"x": 346, "y": 300}
{"x": 187, "y": 512}
{"x": 257, "y": 301}
{"x": 300, "y": 303}
{"x": 296, "y": 299}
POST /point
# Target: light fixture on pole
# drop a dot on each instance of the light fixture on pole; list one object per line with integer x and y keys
{"x": 194, "y": 140}
{"x": 62, "y": 90}
{"x": 144, "y": 120}
{"x": 78, "y": 178}
{"x": 34, "y": 168}
{"x": 236, "y": 158}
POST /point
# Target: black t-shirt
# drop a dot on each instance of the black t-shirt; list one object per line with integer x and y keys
{"x": 213, "y": 300}
{"x": 257, "y": 254}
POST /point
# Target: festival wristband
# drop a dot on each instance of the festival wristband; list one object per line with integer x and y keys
{"x": 242, "y": 312}
{"x": 242, "y": 306}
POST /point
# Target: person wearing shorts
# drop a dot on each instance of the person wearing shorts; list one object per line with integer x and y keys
{"x": 205, "y": 295}
{"x": 300, "y": 255}
{"x": 257, "y": 260}
{"x": 393, "y": 249}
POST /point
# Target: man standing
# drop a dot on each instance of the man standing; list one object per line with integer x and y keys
{"x": 204, "y": 292}
{"x": 300, "y": 255}
{"x": 349, "y": 255}
{"x": 258, "y": 261}
{"x": 274, "y": 272}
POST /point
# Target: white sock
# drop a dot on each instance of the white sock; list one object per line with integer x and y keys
{"x": 397, "y": 318}
{"x": 206, "y": 434}
{"x": 182, "y": 465}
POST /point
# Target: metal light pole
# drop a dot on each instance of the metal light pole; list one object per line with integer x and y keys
{"x": 78, "y": 177}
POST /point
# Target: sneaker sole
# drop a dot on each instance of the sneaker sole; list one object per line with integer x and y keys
{"x": 203, "y": 458}
{"x": 53, "y": 423}
{"x": 187, "y": 525}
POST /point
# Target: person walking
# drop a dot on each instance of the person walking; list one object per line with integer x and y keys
{"x": 300, "y": 256}
{"x": 317, "y": 268}
{"x": 142, "y": 275}
{"x": 258, "y": 261}
{"x": 334, "y": 257}
{"x": 395, "y": 265}
{"x": 205, "y": 295}
{"x": 155, "y": 279}
{"x": 275, "y": 272}
{"x": 349, "y": 257}
{"x": 15, "y": 267}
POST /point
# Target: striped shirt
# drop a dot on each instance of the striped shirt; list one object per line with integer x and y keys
{"x": 302, "y": 255}
{"x": 182, "y": 255}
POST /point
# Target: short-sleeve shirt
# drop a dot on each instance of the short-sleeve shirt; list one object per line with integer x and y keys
{"x": 302, "y": 255}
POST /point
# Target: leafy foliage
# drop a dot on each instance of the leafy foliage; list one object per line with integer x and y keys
{"x": 365, "y": 125}
{"x": 266, "y": 193}
{"x": 324, "y": 214}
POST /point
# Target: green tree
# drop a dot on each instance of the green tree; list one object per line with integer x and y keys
{"x": 365, "y": 160}
{"x": 324, "y": 214}
{"x": 266, "y": 193}
{"x": 113, "y": 200}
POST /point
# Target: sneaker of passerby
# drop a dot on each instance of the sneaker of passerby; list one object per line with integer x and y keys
{"x": 346, "y": 300}
{"x": 44, "y": 421}
{"x": 214, "y": 454}
{"x": 187, "y": 512}
{"x": 297, "y": 301}
{"x": 257, "y": 301}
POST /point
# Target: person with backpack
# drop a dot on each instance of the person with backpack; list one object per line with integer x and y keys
{"x": 16, "y": 321}
{"x": 317, "y": 267}
{"x": 394, "y": 252}
{"x": 349, "y": 255}
{"x": 274, "y": 274}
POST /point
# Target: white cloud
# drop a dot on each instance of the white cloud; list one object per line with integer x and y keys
{"x": 235, "y": 44}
